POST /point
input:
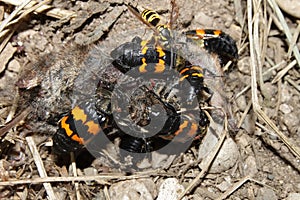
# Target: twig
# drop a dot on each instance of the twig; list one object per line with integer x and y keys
{"x": 15, "y": 121}
{"x": 40, "y": 167}
{"x": 244, "y": 114}
{"x": 242, "y": 92}
{"x": 101, "y": 179}
{"x": 233, "y": 188}
{"x": 207, "y": 166}
{"x": 238, "y": 184}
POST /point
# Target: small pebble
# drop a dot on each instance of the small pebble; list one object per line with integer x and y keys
{"x": 269, "y": 90}
{"x": 241, "y": 102}
{"x": 90, "y": 171}
{"x": 291, "y": 120}
{"x": 250, "y": 166}
{"x": 270, "y": 177}
{"x": 293, "y": 196}
{"x": 286, "y": 109}
{"x": 14, "y": 66}
{"x": 249, "y": 124}
{"x": 226, "y": 158}
{"x": 284, "y": 149}
{"x": 292, "y": 7}
{"x": 223, "y": 186}
{"x": 266, "y": 169}
{"x": 204, "y": 19}
{"x": 170, "y": 189}
{"x": 244, "y": 65}
{"x": 286, "y": 94}
{"x": 133, "y": 189}
{"x": 276, "y": 145}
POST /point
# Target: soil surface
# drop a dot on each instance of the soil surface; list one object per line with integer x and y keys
{"x": 46, "y": 56}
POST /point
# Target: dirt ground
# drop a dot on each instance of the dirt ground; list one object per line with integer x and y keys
{"x": 44, "y": 51}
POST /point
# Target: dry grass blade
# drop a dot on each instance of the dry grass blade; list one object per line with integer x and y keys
{"x": 294, "y": 40}
{"x": 280, "y": 74}
{"x": 242, "y": 92}
{"x": 40, "y": 167}
{"x": 29, "y": 10}
{"x": 294, "y": 148}
{"x": 244, "y": 115}
{"x": 7, "y": 38}
{"x": 293, "y": 83}
{"x": 51, "y": 12}
{"x": 3, "y": 33}
{"x": 106, "y": 193}
{"x": 13, "y": 14}
{"x": 286, "y": 29}
{"x": 256, "y": 107}
{"x": 74, "y": 170}
{"x": 8, "y": 21}
{"x": 277, "y": 66}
